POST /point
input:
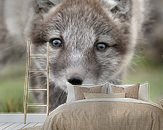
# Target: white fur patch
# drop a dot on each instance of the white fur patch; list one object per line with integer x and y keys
{"x": 111, "y": 3}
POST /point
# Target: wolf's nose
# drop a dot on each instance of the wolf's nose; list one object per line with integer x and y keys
{"x": 75, "y": 81}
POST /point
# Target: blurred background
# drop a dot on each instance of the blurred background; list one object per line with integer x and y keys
{"x": 147, "y": 64}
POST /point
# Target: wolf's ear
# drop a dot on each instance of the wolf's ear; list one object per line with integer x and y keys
{"x": 128, "y": 14}
{"x": 43, "y": 6}
{"x": 120, "y": 10}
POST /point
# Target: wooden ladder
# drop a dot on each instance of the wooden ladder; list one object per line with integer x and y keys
{"x": 27, "y": 89}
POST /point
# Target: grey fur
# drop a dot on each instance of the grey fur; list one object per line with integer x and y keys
{"x": 81, "y": 24}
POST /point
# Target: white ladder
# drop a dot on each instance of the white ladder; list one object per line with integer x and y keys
{"x": 27, "y": 89}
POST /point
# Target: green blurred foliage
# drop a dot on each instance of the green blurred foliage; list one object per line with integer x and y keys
{"x": 11, "y": 89}
{"x": 144, "y": 70}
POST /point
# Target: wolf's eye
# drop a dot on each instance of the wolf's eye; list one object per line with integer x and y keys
{"x": 56, "y": 42}
{"x": 101, "y": 46}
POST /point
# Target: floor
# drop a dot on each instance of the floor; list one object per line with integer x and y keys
{"x": 16, "y": 121}
{"x": 17, "y": 126}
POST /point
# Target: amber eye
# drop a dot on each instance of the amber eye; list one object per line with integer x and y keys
{"x": 56, "y": 42}
{"x": 101, "y": 46}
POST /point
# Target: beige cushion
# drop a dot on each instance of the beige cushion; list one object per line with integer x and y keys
{"x": 130, "y": 92}
{"x": 76, "y": 92}
{"x": 79, "y": 91}
{"x": 143, "y": 90}
{"x": 103, "y": 95}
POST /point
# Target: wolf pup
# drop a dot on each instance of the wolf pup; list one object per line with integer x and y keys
{"x": 91, "y": 41}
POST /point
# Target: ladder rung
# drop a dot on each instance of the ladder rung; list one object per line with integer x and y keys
{"x": 38, "y": 70}
{"x": 38, "y": 55}
{"x": 37, "y": 89}
{"x": 36, "y": 105}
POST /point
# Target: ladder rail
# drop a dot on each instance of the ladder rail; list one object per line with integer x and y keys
{"x": 26, "y": 81}
{"x": 48, "y": 75}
